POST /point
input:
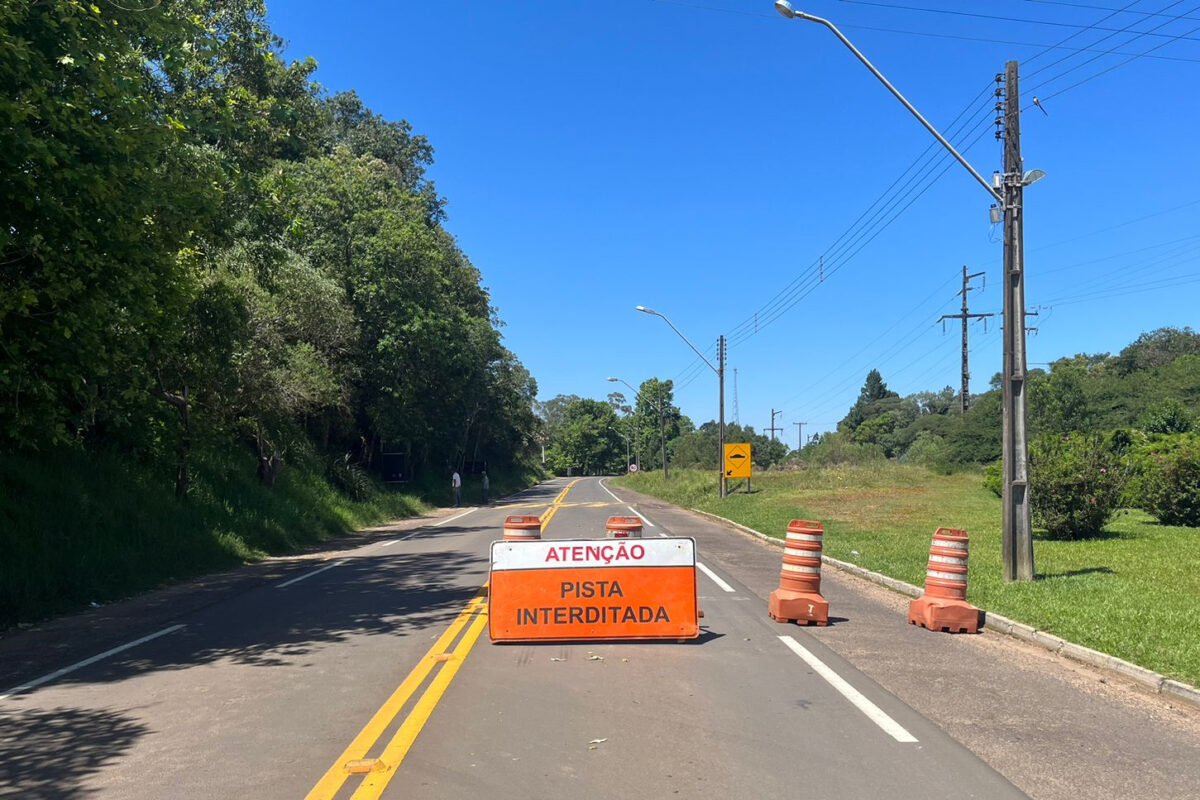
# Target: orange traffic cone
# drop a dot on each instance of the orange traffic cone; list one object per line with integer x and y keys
{"x": 944, "y": 605}
{"x": 798, "y": 598}
{"x": 624, "y": 527}
{"x": 522, "y": 529}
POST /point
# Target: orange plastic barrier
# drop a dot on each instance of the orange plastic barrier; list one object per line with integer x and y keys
{"x": 520, "y": 528}
{"x": 798, "y": 598}
{"x": 624, "y": 527}
{"x": 944, "y": 605}
{"x": 593, "y": 589}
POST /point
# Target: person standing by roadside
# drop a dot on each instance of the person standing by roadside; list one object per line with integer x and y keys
{"x": 485, "y": 484}
{"x": 456, "y": 485}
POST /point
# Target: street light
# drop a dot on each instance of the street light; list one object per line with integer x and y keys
{"x": 1017, "y": 525}
{"x": 720, "y": 370}
{"x": 626, "y": 438}
{"x": 662, "y": 426}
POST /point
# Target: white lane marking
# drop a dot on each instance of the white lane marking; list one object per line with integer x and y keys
{"x": 59, "y": 673}
{"x": 436, "y": 524}
{"x": 715, "y": 577}
{"x": 873, "y": 712}
{"x": 643, "y": 517}
{"x": 610, "y": 493}
{"x": 310, "y": 574}
{"x": 451, "y": 519}
{"x": 389, "y": 544}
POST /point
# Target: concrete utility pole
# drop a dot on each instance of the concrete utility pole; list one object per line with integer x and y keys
{"x": 1006, "y": 190}
{"x": 965, "y": 317}
{"x": 721, "y": 381}
{"x": 772, "y": 429}
{"x": 1017, "y": 523}
{"x": 799, "y": 435}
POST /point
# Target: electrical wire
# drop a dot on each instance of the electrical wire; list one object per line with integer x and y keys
{"x": 1111, "y": 51}
{"x": 850, "y": 243}
{"x": 977, "y": 15}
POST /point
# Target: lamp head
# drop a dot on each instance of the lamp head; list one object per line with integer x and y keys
{"x": 785, "y": 8}
{"x": 645, "y": 310}
{"x": 1033, "y": 176}
{"x": 613, "y": 380}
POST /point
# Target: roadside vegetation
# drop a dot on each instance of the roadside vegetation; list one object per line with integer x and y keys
{"x": 1131, "y": 589}
{"x": 81, "y": 528}
{"x": 229, "y": 306}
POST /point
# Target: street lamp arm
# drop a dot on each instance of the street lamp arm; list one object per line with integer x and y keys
{"x": 681, "y": 336}
{"x": 982, "y": 181}
{"x": 638, "y": 394}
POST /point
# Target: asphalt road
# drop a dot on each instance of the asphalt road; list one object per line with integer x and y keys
{"x": 368, "y": 672}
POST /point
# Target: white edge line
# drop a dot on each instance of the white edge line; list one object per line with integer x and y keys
{"x": 715, "y": 577}
{"x": 604, "y": 486}
{"x": 873, "y": 712}
{"x": 644, "y": 518}
{"x": 86, "y": 662}
{"x": 389, "y": 544}
{"x": 451, "y": 519}
{"x": 310, "y": 574}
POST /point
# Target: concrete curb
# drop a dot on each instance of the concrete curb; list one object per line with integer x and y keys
{"x": 1055, "y": 644}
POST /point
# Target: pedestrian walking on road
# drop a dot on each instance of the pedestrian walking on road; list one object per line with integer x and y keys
{"x": 486, "y": 485}
{"x": 456, "y": 485}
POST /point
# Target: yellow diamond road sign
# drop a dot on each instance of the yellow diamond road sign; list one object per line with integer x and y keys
{"x": 737, "y": 460}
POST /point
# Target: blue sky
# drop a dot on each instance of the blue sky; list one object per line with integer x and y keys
{"x": 701, "y": 157}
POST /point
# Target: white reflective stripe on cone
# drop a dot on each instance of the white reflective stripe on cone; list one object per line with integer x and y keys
{"x": 951, "y": 545}
{"x": 948, "y": 560}
{"x": 794, "y": 568}
{"x": 946, "y": 576}
{"x": 805, "y": 537}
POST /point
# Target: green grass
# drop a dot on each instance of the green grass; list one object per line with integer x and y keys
{"x": 1133, "y": 592}
{"x": 78, "y": 528}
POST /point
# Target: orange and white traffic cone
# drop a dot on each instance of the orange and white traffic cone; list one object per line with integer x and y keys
{"x": 944, "y": 605}
{"x": 519, "y": 528}
{"x": 798, "y": 598}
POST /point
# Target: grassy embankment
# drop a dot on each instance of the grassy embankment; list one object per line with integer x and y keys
{"x": 1133, "y": 592}
{"x": 78, "y": 528}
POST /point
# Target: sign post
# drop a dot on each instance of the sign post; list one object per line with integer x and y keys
{"x": 593, "y": 589}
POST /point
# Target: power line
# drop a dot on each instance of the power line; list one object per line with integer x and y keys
{"x": 1053, "y": 64}
{"x": 1100, "y": 8}
{"x": 1110, "y": 51}
{"x": 1117, "y": 65}
{"x": 845, "y": 250}
{"x": 976, "y": 15}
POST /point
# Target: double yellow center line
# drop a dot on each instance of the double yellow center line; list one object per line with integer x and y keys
{"x": 556, "y": 503}
{"x": 380, "y": 769}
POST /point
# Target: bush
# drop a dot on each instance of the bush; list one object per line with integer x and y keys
{"x": 836, "y": 448}
{"x": 1169, "y": 416}
{"x": 993, "y": 478}
{"x": 928, "y": 450}
{"x": 1075, "y": 484}
{"x": 1167, "y": 479}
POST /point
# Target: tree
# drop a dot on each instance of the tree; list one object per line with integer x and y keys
{"x": 586, "y": 441}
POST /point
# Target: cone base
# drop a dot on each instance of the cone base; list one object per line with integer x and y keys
{"x": 803, "y": 608}
{"x": 938, "y": 614}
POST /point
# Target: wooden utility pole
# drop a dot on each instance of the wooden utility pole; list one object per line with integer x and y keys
{"x": 965, "y": 317}
{"x": 1017, "y": 549}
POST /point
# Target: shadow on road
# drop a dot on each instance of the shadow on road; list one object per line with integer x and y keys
{"x": 48, "y": 754}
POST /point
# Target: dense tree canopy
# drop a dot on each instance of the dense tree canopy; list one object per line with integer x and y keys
{"x": 200, "y": 243}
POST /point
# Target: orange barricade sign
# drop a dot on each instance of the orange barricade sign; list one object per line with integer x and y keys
{"x": 593, "y": 589}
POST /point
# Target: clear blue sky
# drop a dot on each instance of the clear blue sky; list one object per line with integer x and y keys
{"x": 699, "y": 157}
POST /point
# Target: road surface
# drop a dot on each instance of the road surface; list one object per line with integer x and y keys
{"x": 367, "y": 672}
